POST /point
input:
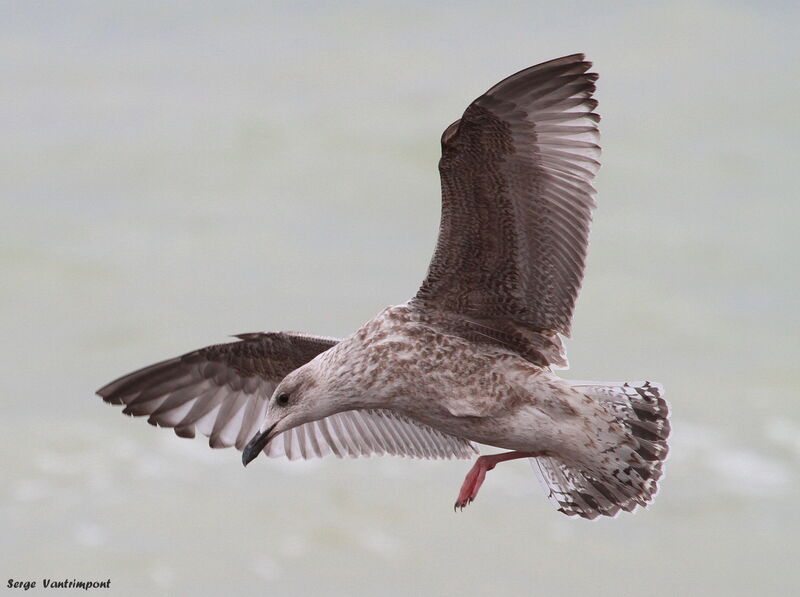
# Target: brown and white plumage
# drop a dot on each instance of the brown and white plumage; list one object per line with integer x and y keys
{"x": 222, "y": 391}
{"x": 517, "y": 198}
{"x": 470, "y": 357}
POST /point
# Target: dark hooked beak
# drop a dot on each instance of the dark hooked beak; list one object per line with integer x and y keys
{"x": 255, "y": 445}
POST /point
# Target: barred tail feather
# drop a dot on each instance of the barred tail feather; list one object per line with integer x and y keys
{"x": 630, "y": 478}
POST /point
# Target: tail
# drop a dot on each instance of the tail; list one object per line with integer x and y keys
{"x": 627, "y": 470}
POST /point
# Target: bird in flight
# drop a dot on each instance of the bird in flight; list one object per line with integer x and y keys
{"x": 470, "y": 358}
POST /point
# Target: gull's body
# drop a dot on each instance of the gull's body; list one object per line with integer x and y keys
{"x": 470, "y": 358}
{"x": 490, "y": 396}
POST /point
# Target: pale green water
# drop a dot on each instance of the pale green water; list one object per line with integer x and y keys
{"x": 176, "y": 174}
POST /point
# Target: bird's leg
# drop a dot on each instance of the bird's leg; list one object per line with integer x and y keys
{"x": 476, "y": 475}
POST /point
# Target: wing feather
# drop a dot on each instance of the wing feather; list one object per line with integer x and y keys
{"x": 372, "y": 432}
{"x": 517, "y": 200}
{"x": 222, "y": 392}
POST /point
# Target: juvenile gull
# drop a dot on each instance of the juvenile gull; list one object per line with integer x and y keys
{"x": 470, "y": 358}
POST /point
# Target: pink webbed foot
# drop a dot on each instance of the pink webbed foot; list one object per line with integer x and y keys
{"x": 476, "y": 475}
{"x": 472, "y": 483}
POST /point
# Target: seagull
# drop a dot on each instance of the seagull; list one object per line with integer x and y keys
{"x": 469, "y": 359}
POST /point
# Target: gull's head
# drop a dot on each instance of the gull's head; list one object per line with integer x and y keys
{"x": 301, "y": 397}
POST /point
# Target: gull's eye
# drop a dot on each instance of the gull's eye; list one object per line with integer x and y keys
{"x": 282, "y": 400}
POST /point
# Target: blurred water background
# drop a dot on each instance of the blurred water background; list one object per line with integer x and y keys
{"x": 174, "y": 173}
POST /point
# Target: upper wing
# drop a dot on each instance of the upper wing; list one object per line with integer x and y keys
{"x": 517, "y": 198}
{"x": 223, "y": 391}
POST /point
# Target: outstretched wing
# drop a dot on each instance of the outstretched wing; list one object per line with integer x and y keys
{"x": 222, "y": 391}
{"x": 517, "y": 199}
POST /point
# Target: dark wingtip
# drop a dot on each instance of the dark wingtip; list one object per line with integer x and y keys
{"x": 107, "y": 394}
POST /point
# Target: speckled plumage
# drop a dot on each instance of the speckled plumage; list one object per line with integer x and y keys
{"x": 469, "y": 359}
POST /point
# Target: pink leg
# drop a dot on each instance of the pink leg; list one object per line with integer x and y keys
{"x": 476, "y": 475}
